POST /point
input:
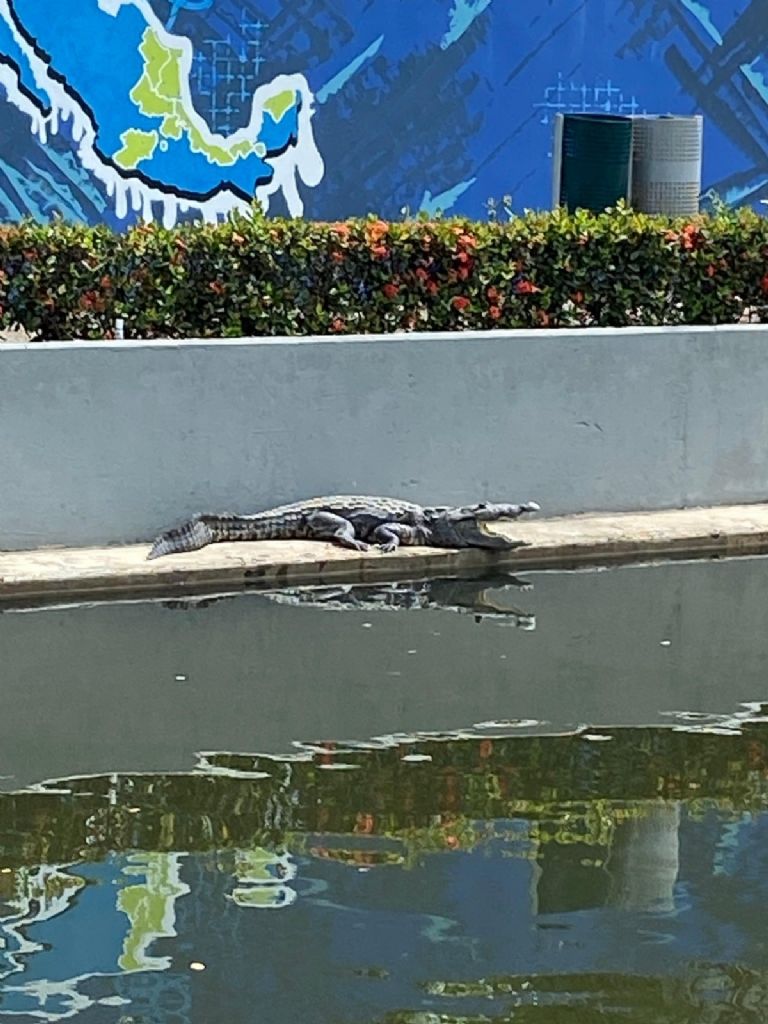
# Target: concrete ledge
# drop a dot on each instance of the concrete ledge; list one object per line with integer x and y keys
{"x": 563, "y": 542}
{"x": 105, "y": 443}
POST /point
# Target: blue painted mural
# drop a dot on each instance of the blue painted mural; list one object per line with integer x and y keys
{"x": 115, "y": 110}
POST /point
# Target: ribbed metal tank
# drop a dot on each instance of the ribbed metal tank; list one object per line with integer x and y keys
{"x": 595, "y": 160}
{"x": 666, "y": 164}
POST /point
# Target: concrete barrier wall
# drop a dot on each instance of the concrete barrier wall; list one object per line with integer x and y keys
{"x": 111, "y": 442}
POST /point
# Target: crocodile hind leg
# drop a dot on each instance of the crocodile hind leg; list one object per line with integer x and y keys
{"x": 327, "y": 526}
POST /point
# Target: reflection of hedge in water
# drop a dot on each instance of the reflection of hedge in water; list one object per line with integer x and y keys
{"x": 466, "y": 781}
{"x": 707, "y": 994}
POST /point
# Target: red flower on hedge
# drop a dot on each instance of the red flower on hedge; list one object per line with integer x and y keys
{"x": 380, "y": 252}
{"x": 526, "y": 288}
{"x": 494, "y": 312}
{"x": 337, "y": 257}
{"x": 460, "y": 303}
{"x": 421, "y": 273}
{"x": 466, "y": 264}
{"x": 341, "y": 229}
{"x": 690, "y": 237}
{"x": 377, "y": 230}
{"x": 764, "y": 284}
{"x": 391, "y": 289}
{"x": 492, "y": 295}
{"x": 432, "y": 287}
{"x": 217, "y": 287}
{"x": 338, "y": 325}
{"x": 92, "y": 300}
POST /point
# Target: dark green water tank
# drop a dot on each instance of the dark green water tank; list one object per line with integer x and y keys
{"x": 596, "y": 160}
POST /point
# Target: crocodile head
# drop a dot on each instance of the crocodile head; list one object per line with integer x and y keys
{"x": 464, "y": 526}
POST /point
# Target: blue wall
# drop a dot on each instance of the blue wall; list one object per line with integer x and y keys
{"x": 116, "y": 108}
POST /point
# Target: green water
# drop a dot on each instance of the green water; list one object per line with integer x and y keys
{"x": 493, "y": 867}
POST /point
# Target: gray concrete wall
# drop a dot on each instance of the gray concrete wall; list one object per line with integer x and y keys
{"x": 109, "y": 443}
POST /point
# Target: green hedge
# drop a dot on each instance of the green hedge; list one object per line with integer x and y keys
{"x": 254, "y": 276}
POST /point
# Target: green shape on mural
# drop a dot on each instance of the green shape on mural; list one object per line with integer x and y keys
{"x": 279, "y": 104}
{"x": 137, "y": 146}
{"x": 159, "y": 93}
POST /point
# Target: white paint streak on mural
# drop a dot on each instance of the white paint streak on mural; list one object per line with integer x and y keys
{"x": 337, "y": 83}
{"x": 704, "y": 17}
{"x": 462, "y": 16}
{"x": 443, "y": 201}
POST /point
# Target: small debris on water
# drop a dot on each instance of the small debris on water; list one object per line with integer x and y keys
{"x": 412, "y": 652}
{"x": 181, "y": 678}
{"x": 417, "y": 757}
{"x": 692, "y": 716}
{"x": 196, "y": 965}
{"x": 372, "y": 972}
{"x": 508, "y": 723}
{"x": 665, "y": 643}
{"x": 596, "y": 737}
{"x": 367, "y": 625}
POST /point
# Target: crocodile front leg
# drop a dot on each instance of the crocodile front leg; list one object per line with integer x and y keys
{"x": 328, "y": 526}
{"x": 389, "y": 536}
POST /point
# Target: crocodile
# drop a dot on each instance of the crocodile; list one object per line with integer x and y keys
{"x": 351, "y": 521}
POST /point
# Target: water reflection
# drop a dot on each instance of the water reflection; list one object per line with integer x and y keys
{"x": 485, "y": 597}
{"x": 594, "y": 875}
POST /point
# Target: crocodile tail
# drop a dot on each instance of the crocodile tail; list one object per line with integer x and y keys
{"x": 191, "y": 536}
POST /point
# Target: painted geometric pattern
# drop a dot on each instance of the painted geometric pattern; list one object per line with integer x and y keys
{"x": 115, "y": 110}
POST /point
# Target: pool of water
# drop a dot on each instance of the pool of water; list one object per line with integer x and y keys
{"x": 480, "y": 800}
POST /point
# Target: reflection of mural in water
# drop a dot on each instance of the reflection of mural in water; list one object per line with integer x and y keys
{"x": 564, "y": 848}
{"x": 123, "y": 108}
{"x": 128, "y": 901}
